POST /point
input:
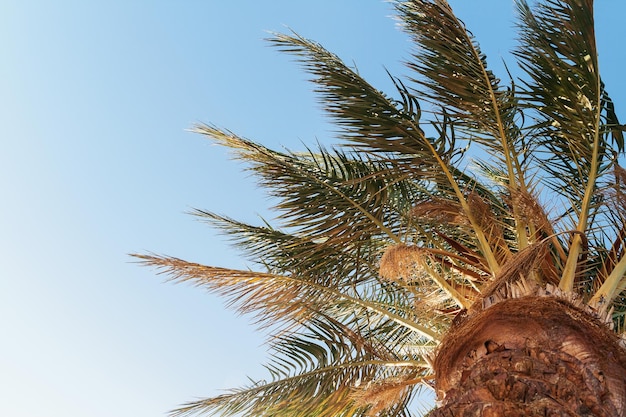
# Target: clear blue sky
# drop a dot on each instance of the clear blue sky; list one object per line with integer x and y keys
{"x": 95, "y": 97}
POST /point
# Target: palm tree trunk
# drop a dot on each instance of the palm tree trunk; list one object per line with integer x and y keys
{"x": 531, "y": 356}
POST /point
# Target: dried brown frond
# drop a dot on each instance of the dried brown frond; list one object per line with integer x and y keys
{"x": 439, "y": 211}
{"x": 534, "y": 262}
{"x": 446, "y": 212}
{"x": 620, "y": 177}
{"x": 401, "y": 263}
{"x": 380, "y": 395}
{"x": 490, "y": 225}
{"x": 613, "y": 256}
{"x": 615, "y": 198}
{"x": 469, "y": 256}
{"x": 431, "y": 274}
{"x": 532, "y": 212}
{"x": 615, "y": 194}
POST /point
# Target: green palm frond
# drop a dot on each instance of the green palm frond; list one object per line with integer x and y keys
{"x": 323, "y": 370}
{"x": 319, "y": 191}
{"x": 370, "y": 120}
{"x": 314, "y": 187}
{"x": 365, "y": 115}
{"x": 314, "y": 192}
{"x": 373, "y": 122}
{"x": 453, "y": 75}
{"x": 576, "y": 126}
{"x": 300, "y": 254}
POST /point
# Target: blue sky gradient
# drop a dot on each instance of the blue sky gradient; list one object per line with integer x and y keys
{"x": 96, "y": 162}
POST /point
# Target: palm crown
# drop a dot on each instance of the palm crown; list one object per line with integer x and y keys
{"x": 452, "y": 191}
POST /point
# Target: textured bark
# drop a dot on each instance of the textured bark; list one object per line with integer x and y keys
{"x": 531, "y": 356}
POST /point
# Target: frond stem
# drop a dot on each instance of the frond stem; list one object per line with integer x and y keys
{"x": 480, "y": 235}
{"x": 569, "y": 272}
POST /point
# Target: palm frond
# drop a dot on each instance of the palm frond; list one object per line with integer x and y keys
{"x": 365, "y": 115}
{"x": 314, "y": 187}
{"x": 342, "y": 341}
{"x": 453, "y": 75}
{"x": 285, "y": 299}
{"x": 313, "y": 256}
{"x": 576, "y": 125}
{"x": 610, "y": 271}
{"x": 374, "y": 122}
{"x": 324, "y": 392}
{"x": 313, "y": 191}
{"x": 320, "y": 370}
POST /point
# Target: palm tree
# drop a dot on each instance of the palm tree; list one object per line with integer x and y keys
{"x": 466, "y": 235}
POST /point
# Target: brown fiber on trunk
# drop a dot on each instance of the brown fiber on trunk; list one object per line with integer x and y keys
{"x": 531, "y": 356}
